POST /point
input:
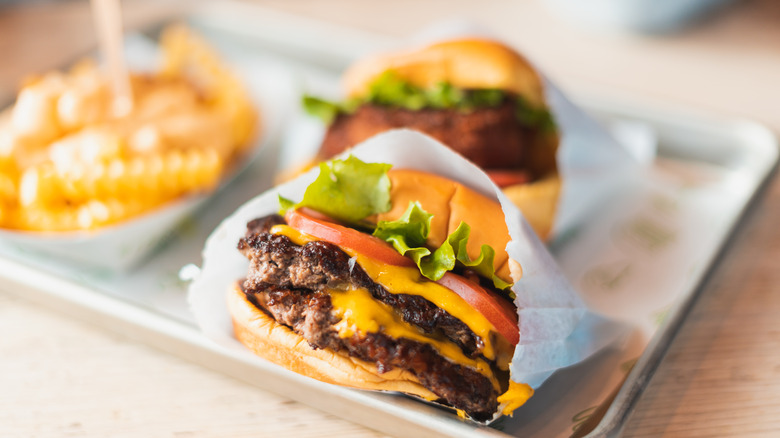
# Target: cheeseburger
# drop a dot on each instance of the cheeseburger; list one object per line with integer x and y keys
{"x": 392, "y": 280}
{"x": 479, "y": 97}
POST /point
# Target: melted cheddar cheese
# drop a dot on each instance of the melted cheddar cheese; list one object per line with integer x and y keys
{"x": 514, "y": 397}
{"x": 361, "y": 313}
{"x": 405, "y": 280}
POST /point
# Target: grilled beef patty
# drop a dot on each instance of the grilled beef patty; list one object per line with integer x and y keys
{"x": 277, "y": 262}
{"x": 491, "y": 137}
{"x": 290, "y": 283}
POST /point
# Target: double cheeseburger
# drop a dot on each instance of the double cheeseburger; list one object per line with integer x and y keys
{"x": 385, "y": 280}
{"x": 479, "y": 97}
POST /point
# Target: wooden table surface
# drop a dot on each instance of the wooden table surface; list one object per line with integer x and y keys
{"x": 721, "y": 377}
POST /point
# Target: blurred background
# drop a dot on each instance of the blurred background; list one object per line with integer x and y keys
{"x": 718, "y": 55}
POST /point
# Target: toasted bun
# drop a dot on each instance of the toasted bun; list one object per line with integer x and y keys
{"x": 464, "y": 63}
{"x": 450, "y": 203}
{"x": 280, "y": 345}
{"x": 538, "y": 201}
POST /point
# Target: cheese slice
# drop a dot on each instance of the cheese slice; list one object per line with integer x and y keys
{"x": 361, "y": 313}
{"x": 514, "y": 397}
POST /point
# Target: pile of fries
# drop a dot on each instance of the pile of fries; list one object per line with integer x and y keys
{"x": 67, "y": 162}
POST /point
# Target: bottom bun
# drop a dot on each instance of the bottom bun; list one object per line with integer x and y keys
{"x": 538, "y": 201}
{"x": 277, "y": 343}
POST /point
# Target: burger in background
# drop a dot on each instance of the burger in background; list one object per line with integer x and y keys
{"x": 477, "y": 96}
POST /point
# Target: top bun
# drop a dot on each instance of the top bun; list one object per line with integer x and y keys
{"x": 464, "y": 63}
{"x": 450, "y": 203}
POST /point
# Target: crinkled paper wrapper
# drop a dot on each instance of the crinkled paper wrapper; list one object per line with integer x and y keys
{"x": 556, "y": 328}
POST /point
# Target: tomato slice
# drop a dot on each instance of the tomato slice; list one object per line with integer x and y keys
{"x": 314, "y": 214}
{"x": 506, "y": 178}
{"x": 494, "y": 308}
{"x": 344, "y": 237}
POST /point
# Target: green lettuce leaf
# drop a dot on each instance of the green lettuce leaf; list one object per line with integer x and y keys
{"x": 443, "y": 95}
{"x": 321, "y": 108}
{"x": 391, "y": 90}
{"x": 347, "y": 190}
{"x": 534, "y": 117}
{"x": 326, "y": 110}
{"x": 409, "y": 233}
{"x": 487, "y": 97}
{"x": 285, "y": 204}
{"x": 483, "y": 264}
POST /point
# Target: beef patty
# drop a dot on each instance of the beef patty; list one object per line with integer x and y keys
{"x": 290, "y": 282}
{"x": 277, "y": 262}
{"x": 491, "y": 137}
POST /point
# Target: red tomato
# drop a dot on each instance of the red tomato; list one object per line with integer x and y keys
{"x": 314, "y": 214}
{"x": 344, "y": 237}
{"x": 497, "y": 310}
{"x": 506, "y": 178}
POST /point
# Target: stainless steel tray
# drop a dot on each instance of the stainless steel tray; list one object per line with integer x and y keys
{"x": 149, "y": 303}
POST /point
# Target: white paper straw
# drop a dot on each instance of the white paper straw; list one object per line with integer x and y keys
{"x": 108, "y": 22}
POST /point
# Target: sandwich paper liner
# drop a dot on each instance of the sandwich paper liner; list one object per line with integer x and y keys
{"x": 120, "y": 246}
{"x": 557, "y": 330}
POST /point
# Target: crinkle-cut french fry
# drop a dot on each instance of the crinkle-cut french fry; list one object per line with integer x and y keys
{"x": 7, "y": 188}
{"x": 196, "y": 130}
{"x": 191, "y": 171}
{"x": 83, "y": 105}
{"x": 157, "y": 98}
{"x": 34, "y": 116}
{"x": 89, "y": 216}
{"x": 154, "y": 177}
{"x": 95, "y": 214}
{"x": 37, "y": 218}
{"x": 186, "y": 53}
{"x": 145, "y": 139}
{"x": 39, "y": 186}
{"x": 89, "y": 146}
{"x": 8, "y": 170}
{"x": 16, "y": 151}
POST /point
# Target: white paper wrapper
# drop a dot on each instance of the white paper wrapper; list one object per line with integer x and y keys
{"x": 556, "y": 328}
{"x": 121, "y": 246}
{"x": 591, "y": 163}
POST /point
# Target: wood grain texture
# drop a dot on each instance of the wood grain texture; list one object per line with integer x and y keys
{"x": 721, "y": 377}
{"x": 61, "y": 377}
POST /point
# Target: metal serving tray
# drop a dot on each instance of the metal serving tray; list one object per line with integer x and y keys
{"x": 724, "y": 159}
